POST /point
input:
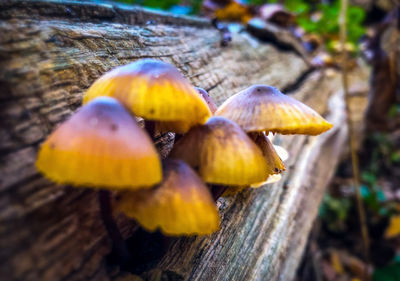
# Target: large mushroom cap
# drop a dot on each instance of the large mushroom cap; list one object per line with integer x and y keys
{"x": 265, "y": 108}
{"x": 180, "y": 205}
{"x": 153, "y": 90}
{"x": 222, "y": 153}
{"x": 101, "y": 145}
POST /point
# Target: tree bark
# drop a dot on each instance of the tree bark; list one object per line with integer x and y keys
{"x": 50, "y": 53}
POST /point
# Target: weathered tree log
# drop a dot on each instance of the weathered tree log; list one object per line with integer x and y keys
{"x": 50, "y": 53}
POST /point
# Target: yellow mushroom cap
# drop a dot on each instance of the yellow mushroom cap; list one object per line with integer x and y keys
{"x": 180, "y": 205}
{"x": 265, "y": 108}
{"x": 182, "y": 127}
{"x": 222, "y": 153}
{"x": 101, "y": 145}
{"x": 274, "y": 162}
{"x": 153, "y": 90}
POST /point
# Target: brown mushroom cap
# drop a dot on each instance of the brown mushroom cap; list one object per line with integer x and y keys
{"x": 100, "y": 146}
{"x": 221, "y": 153}
{"x": 153, "y": 90}
{"x": 276, "y": 14}
{"x": 181, "y": 205}
{"x": 265, "y": 108}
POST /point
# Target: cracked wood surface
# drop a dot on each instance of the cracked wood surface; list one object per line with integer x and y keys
{"x": 51, "y": 52}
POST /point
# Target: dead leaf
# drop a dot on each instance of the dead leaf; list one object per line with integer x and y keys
{"x": 336, "y": 262}
{"x": 234, "y": 11}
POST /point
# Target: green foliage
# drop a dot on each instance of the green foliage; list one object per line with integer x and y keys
{"x": 259, "y": 2}
{"x": 374, "y": 199}
{"x": 334, "y": 211}
{"x": 324, "y": 24}
{"x": 298, "y": 7}
{"x": 322, "y": 18}
{"x": 155, "y": 4}
{"x": 383, "y": 155}
{"x": 325, "y": 21}
{"x": 193, "y": 6}
{"x": 196, "y": 6}
{"x": 394, "y": 111}
{"x": 387, "y": 273}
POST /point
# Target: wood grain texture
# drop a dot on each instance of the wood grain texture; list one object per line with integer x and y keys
{"x": 51, "y": 52}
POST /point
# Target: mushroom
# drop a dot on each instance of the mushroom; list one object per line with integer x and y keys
{"x": 237, "y": 189}
{"x": 102, "y": 146}
{"x": 260, "y": 108}
{"x": 231, "y": 10}
{"x": 274, "y": 162}
{"x": 211, "y": 105}
{"x": 221, "y": 153}
{"x": 265, "y": 108}
{"x": 180, "y": 205}
{"x": 277, "y": 14}
{"x": 155, "y": 91}
{"x": 171, "y": 126}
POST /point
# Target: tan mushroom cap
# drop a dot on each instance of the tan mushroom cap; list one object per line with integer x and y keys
{"x": 155, "y": 91}
{"x": 181, "y": 205}
{"x": 265, "y": 108}
{"x": 100, "y": 146}
{"x": 206, "y": 96}
{"x": 222, "y": 153}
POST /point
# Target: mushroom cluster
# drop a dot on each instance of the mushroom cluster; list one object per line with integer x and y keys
{"x": 102, "y": 145}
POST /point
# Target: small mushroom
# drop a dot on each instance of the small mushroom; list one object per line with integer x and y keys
{"x": 311, "y": 42}
{"x": 233, "y": 11}
{"x": 154, "y": 90}
{"x": 274, "y": 162}
{"x": 211, "y": 105}
{"x": 265, "y": 108}
{"x": 100, "y": 146}
{"x": 221, "y": 153}
{"x": 277, "y": 14}
{"x": 180, "y": 205}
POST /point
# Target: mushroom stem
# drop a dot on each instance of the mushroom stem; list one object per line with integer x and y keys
{"x": 217, "y": 191}
{"x": 150, "y": 127}
{"x": 119, "y": 246}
